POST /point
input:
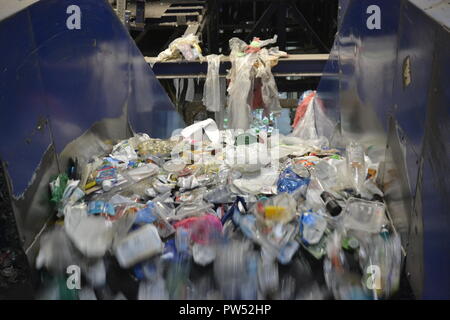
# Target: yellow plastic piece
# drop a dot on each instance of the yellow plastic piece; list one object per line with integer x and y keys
{"x": 89, "y": 185}
{"x": 275, "y": 213}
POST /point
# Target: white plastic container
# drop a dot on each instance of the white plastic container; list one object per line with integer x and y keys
{"x": 138, "y": 246}
{"x": 364, "y": 215}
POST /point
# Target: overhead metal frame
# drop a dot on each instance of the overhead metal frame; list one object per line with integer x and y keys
{"x": 298, "y": 65}
{"x": 169, "y": 16}
{"x": 268, "y": 18}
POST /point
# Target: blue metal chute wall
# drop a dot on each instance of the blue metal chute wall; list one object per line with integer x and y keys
{"x": 411, "y": 120}
{"x": 55, "y": 83}
{"x": 62, "y": 93}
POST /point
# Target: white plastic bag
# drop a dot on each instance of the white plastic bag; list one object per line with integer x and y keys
{"x": 240, "y": 77}
{"x": 269, "y": 88}
{"x": 239, "y": 90}
{"x": 211, "y": 91}
{"x": 243, "y": 59}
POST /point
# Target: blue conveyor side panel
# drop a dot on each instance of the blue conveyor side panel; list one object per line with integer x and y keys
{"x": 436, "y": 170}
{"x": 72, "y": 78}
{"x": 367, "y": 60}
{"x": 414, "y": 119}
{"x": 22, "y": 101}
{"x": 416, "y": 43}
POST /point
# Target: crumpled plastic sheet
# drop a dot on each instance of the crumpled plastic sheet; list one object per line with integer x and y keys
{"x": 186, "y": 46}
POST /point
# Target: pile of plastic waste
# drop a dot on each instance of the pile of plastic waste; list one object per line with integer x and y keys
{"x": 222, "y": 214}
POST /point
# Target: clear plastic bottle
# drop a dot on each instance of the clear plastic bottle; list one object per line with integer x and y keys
{"x": 356, "y": 165}
{"x": 382, "y": 251}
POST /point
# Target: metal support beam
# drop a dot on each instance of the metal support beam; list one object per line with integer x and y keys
{"x": 301, "y": 18}
{"x": 212, "y": 27}
{"x": 301, "y": 65}
{"x": 140, "y": 11}
{"x": 281, "y": 25}
{"x": 263, "y": 21}
{"x": 185, "y": 9}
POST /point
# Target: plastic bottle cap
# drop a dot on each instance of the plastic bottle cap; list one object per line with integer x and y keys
{"x": 107, "y": 185}
{"x": 353, "y": 243}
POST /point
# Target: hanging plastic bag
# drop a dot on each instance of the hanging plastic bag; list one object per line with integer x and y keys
{"x": 269, "y": 88}
{"x": 248, "y": 62}
{"x": 239, "y": 90}
{"x": 211, "y": 90}
{"x": 240, "y": 84}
